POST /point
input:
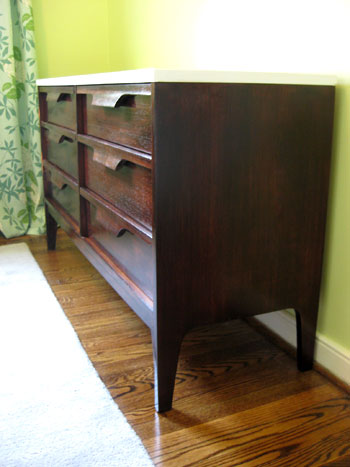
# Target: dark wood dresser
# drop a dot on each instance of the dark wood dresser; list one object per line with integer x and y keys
{"x": 199, "y": 196}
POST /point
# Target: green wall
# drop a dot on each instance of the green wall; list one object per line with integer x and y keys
{"x": 334, "y": 317}
{"x": 91, "y": 36}
{"x": 71, "y": 36}
{"x": 155, "y": 33}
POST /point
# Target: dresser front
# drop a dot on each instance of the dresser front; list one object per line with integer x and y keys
{"x": 97, "y": 158}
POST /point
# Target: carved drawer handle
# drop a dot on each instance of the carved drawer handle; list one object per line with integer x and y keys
{"x": 117, "y": 228}
{"x": 59, "y": 181}
{"x": 58, "y": 138}
{"x": 111, "y": 161}
{"x": 116, "y": 98}
{"x": 112, "y": 155}
{"x": 58, "y": 97}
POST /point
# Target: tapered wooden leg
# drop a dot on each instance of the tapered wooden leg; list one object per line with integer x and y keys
{"x": 51, "y": 230}
{"x": 166, "y": 349}
{"x": 306, "y": 334}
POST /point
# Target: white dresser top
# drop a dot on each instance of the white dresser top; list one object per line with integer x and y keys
{"x": 153, "y": 75}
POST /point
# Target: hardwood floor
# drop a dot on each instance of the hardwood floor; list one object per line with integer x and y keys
{"x": 239, "y": 399}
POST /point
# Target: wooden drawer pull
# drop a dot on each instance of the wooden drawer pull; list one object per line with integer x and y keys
{"x": 118, "y": 98}
{"x": 118, "y": 228}
{"x": 111, "y": 161}
{"x": 58, "y": 180}
{"x": 112, "y": 155}
{"x": 58, "y": 138}
{"x": 58, "y": 97}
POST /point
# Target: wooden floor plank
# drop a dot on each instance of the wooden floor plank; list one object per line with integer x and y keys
{"x": 343, "y": 461}
{"x": 217, "y": 405}
{"x": 271, "y": 434}
{"x": 239, "y": 399}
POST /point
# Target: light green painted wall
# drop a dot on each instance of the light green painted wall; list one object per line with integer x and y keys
{"x": 334, "y": 317}
{"x": 290, "y": 36}
{"x": 152, "y": 33}
{"x": 71, "y": 36}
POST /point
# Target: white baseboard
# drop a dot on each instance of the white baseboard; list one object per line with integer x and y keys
{"x": 331, "y": 356}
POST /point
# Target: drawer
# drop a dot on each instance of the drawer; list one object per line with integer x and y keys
{"x": 59, "y": 189}
{"x": 132, "y": 254}
{"x": 61, "y": 106}
{"x": 120, "y": 114}
{"x": 60, "y": 148}
{"x": 126, "y": 185}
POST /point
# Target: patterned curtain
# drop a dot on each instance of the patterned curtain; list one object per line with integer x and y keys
{"x": 21, "y": 188}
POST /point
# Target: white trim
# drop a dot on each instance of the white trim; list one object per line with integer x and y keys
{"x": 333, "y": 357}
{"x": 152, "y": 75}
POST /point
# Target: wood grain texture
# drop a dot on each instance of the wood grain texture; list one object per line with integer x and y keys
{"x": 127, "y": 122}
{"x": 124, "y": 245}
{"x": 246, "y": 176}
{"x": 343, "y": 461}
{"x": 239, "y": 400}
{"x": 59, "y": 189}
{"x": 129, "y": 188}
{"x": 133, "y": 225}
{"x": 59, "y": 148}
{"x": 60, "y": 106}
{"x": 245, "y": 170}
{"x": 122, "y": 153}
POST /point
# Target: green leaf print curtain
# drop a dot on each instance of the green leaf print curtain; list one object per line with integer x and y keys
{"x": 21, "y": 191}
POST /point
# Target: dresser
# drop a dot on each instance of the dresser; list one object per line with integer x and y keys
{"x": 199, "y": 196}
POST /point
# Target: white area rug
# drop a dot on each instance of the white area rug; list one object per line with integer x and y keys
{"x": 54, "y": 409}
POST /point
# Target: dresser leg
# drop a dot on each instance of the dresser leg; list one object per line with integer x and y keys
{"x": 51, "y": 230}
{"x": 306, "y": 334}
{"x": 166, "y": 349}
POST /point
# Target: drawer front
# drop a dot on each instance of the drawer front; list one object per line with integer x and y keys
{"x": 61, "y": 150}
{"x": 120, "y": 114}
{"x": 128, "y": 187}
{"x": 132, "y": 254}
{"x": 57, "y": 189}
{"x": 61, "y": 107}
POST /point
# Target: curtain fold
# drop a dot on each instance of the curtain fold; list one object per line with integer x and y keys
{"x": 21, "y": 186}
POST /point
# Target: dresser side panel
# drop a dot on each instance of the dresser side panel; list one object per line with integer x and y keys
{"x": 240, "y": 191}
